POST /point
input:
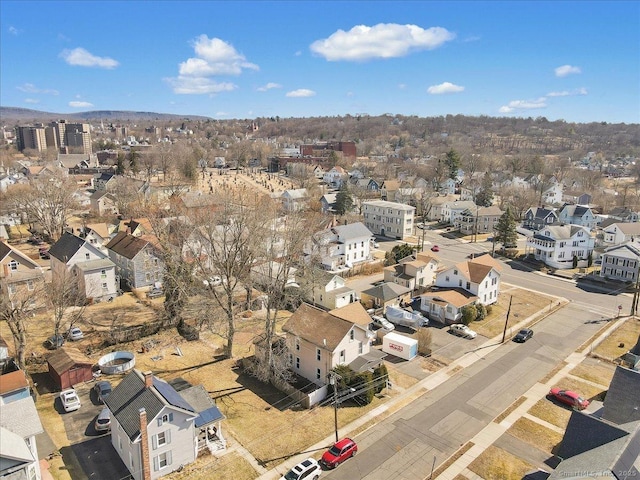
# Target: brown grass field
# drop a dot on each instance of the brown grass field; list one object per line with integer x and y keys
{"x": 497, "y": 464}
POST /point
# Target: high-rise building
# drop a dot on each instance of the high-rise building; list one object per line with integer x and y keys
{"x": 60, "y": 136}
{"x": 31, "y": 137}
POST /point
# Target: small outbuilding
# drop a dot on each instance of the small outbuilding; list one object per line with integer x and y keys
{"x": 68, "y": 366}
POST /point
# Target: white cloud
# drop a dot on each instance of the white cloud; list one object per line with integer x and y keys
{"x": 568, "y": 93}
{"x": 13, "y": 30}
{"x": 269, "y": 86}
{"x": 446, "y": 87}
{"x": 79, "y": 104}
{"x": 31, "y": 88}
{"x": 186, "y": 85}
{"x": 384, "y": 40}
{"x": 565, "y": 70}
{"x": 81, "y": 57}
{"x": 518, "y": 105}
{"x": 31, "y": 100}
{"x": 214, "y": 57}
{"x": 301, "y": 92}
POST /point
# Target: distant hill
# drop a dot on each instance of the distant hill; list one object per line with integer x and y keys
{"x": 10, "y": 115}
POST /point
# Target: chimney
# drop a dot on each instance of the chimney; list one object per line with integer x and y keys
{"x": 148, "y": 378}
{"x": 144, "y": 446}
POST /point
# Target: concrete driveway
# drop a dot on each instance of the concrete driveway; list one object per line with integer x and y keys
{"x": 94, "y": 451}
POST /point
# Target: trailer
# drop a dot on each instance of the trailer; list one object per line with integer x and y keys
{"x": 400, "y": 316}
{"x": 399, "y": 345}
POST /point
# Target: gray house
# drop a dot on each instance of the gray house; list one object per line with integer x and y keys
{"x": 137, "y": 260}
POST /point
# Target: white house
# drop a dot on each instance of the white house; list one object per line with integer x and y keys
{"x": 93, "y": 274}
{"x": 437, "y": 205}
{"x": 480, "y": 277}
{"x": 19, "y": 425}
{"x": 448, "y": 186}
{"x": 558, "y": 245}
{"x": 319, "y": 341}
{"x": 295, "y": 200}
{"x": 553, "y": 194}
{"x": 331, "y": 291}
{"x": 389, "y": 219}
{"x": 577, "y": 215}
{"x": 445, "y": 306}
{"x": 413, "y": 272}
{"x": 155, "y": 430}
{"x": 341, "y": 247}
{"x": 618, "y": 233}
{"x": 621, "y": 262}
{"x": 335, "y": 176}
{"x": 452, "y": 212}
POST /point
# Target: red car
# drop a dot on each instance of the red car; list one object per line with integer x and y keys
{"x": 570, "y": 398}
{"x": 341, "y": 451}
{"x": 435, "y": 248}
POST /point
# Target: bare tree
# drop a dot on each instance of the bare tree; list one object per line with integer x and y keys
{"x": 66, "y": 302}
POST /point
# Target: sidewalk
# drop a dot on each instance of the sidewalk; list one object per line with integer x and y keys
{"x": 493, "y": 431}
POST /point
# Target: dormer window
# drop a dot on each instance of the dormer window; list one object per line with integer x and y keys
{"x": 13, "y": 265}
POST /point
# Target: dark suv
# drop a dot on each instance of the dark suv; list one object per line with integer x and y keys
{"x": 523, "y": 335}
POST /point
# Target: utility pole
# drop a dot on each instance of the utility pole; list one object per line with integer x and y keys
{"x": 504, "y": 332}
{"x": 634, "y": 302}
{"x": 333, "y": 380}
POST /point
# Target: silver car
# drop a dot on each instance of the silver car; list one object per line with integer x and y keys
{"x": 103, "y": 421}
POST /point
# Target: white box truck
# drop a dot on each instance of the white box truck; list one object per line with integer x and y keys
{"x": 399, "y": 345}
{"x": 400, "y": 316}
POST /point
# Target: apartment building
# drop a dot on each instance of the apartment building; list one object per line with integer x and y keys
{"x": 389, "y": 219}
{"x": 60, "y": 136}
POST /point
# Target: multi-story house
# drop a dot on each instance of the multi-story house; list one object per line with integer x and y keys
{"x": 480, "y": 277}
{"x": 388, "y": 190}
{"x": 318, "y": 342}
{"x": 21, "y": 279}
{"x": 389, "y": 219}
{"x": 452, "y": 211}
{"x": 552, "y": 195}
{"x": 341, "y": 247}
{"x": 155, "y": 429}
{"x": 437, "y": 205}
{"x": 558, "y": 245}
{"x": 480, "y": 219}
{"x": 295, "y": 200}
{"x": 536, "y": 218}
{"x": 98, "y": 235}
{"x": 624, "y": 215}
{"x": 19, "y": 425}
{"x": 445, "y": 306}
{"x": 577, "y": 215}
{"x": 103, "y": 203}
{"x": 335, "y": 176}
{"x": 413, "y": 272}
{"x": 619, "y": 233}
{"x": 90, "y": 271}
{"x": 331, "y": 292}
{"x": 138, "y": 262}
{"x": 103, "y": 181}
{"x": 621, "y": 262}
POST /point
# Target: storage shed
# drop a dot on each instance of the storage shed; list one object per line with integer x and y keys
{"x": 69, "y": 366}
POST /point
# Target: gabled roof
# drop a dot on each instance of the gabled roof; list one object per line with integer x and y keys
{"x": 199, "y": 399}
{"x": 14, "y": 452}
{"x": 542, "y": 213}
{"x": 387, "y": 291}
{"x": 352, "y": 230}
{"x": 101, "y": 229}
{"x": 629, "y": 228}
{"x": 66, "y": 357}
{"x": 488, "y": 261}
{"x": 624, "y": 250}
{"x": 560, "y": 232}
{"x": 622, "y": 403}
{"x": 455, "y": 296}
{"x": 317, "y": 327}
{"x": 131, "y": 394}
{"x": 126, "y": 245}
{"x": 5, "y": 249}
{"x": 66, "y": 247}
{"x": 21, "y": 417}
{"x": 476, "y": 271}
{"x": 298, "y": 193}
{"x": 354, "y": 313}
{"x": 12, "y": 381}
{"x": 367, "y": 361}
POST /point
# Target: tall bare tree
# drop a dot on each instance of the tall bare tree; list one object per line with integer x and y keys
{"x": 65, "y": 301}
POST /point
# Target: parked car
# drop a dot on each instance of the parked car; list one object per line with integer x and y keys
{"x": 155, "y": 293}
{"x": 103, "y": 421}
{"x": 54, "y": 342}
{"x": 102, "y": 389}
{"x": 338, "y": 453}
{"x": 214, "y": 281}
{"x": 44, "y": 254}
{"x": 307, "y": 470}
{"x": 382, "y": 322}
{"x": 523, "y": 335}
{"x": 70, "y": 400}
{"x": 569, "y": 397}
{"x": 462, "y": 330}
{"x": 435, "y": 248}
{"x": 75, "y": 334}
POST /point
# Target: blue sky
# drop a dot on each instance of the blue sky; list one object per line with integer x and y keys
{"x": 576, "y": 60}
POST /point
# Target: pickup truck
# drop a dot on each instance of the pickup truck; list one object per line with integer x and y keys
{"x": 400, "y": 316}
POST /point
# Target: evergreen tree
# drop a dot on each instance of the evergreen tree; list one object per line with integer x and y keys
{"x": 120, "y": 168}
{"x": 452, "y": 162}
{"x": 344, "y": 202}
{"x": 133, "y": 162}
{"x": 485, "y": 195}
{"x": 505, "y": 232}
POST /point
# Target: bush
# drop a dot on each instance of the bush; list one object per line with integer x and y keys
{"x": 469, "y": 314}
{"x": 423, "y": 335}
{"x": 379, "y": 373}
{"x": 482, "y": 312}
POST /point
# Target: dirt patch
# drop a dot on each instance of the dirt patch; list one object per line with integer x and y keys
{"x": 497, "y": 464}
{"x": 535, "y": 434}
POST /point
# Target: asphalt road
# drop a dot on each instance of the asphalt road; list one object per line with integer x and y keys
{"x": 404, "y": 446}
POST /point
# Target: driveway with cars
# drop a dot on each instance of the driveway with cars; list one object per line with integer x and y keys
{"x": 93, "y": 449}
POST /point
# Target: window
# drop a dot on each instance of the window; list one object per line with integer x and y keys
{"x": 30, "y": 284}
{"x": 87, "y": 256}
{"x": 161, "y": 461}
{"x": 352, "y": 334}
{"x": 167, "y": 417}
{"x": 359, "y": 348}
{"x": 342, "y": 356}
{"x": 298, "y": 362}
{"x": 318, "y": 374}
{"x": 318, "y": 354}
{"x": 297, "y": 344}
{"x": 460, "y": 282}
{"x": 104, "y": 286}
{"x": 13, "y": 265}
{"x": 468, "y": 285}
{"x": 161, "y": 439}
{"x": 11, "y": 288}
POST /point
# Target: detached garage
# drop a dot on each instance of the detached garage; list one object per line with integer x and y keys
{"x": 68, "y": 366}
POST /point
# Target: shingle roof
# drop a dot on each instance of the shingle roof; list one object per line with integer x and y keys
{"x": 66, "y": 247}
{"x": 317, "y": 327}
{"x": 97, "y": 264}
{"x": 487, "y": 260}
{"x": 387, "y": 291}
{"x": 629, "y": 228}
{"x": 622, "y": 403}
{"x": 354, "y": 313}
{"x": 352, "y": 230}
{"x": 131, "y": 394}
{"x": 5, "y": 249}
{"x": 14, "y": 452}
{"x": 126, "y": 245}
{"x": 21, "y": 417}
{"x": 66, "y": 357}
{"x": 455, "y": 296}
{"x": 12, "y": 381}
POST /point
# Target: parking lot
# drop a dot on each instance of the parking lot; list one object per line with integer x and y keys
{"x": 93, "y": 450}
